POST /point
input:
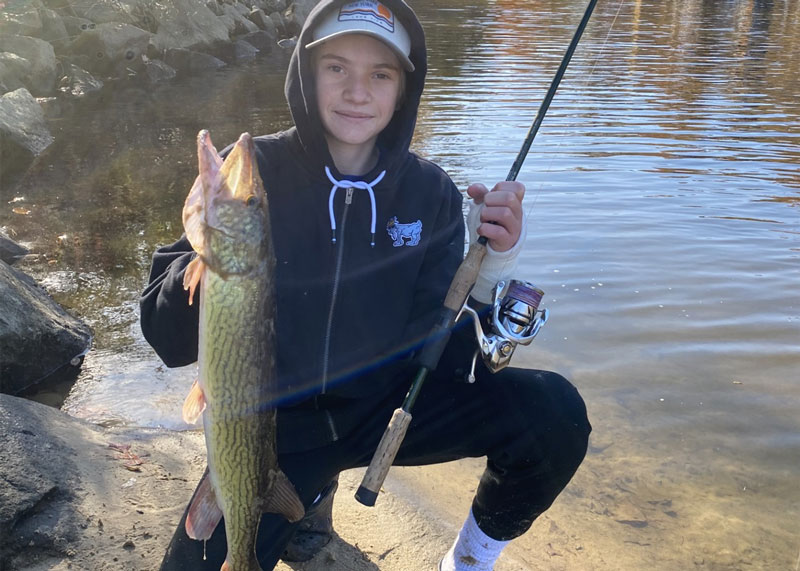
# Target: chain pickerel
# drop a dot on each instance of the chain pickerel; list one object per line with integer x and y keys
{"x": 226, "y": 219}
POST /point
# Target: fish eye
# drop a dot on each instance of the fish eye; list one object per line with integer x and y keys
{"x": 252, "y": 200}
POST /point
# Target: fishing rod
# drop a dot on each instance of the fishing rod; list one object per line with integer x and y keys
{"x": 454, "y": 303}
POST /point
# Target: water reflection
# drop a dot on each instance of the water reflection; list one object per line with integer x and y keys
{"x": 663, "y": 227}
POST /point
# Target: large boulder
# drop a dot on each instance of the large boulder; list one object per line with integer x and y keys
{"x": 77, "y": 496}
{"x": 23, "y": 132}
{"x": 187, "y": 24}
{"x": 112, "y": 49}
{"x": 37, "y": 336}
{"x": 41, "y": 76}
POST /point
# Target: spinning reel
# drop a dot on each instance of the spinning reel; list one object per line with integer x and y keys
{"x": 515, "y": 320}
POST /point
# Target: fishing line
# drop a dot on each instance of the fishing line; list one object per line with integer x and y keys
{"x": 545, "y": 104}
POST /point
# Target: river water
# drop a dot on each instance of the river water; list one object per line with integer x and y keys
{"x": 663, "y": 224}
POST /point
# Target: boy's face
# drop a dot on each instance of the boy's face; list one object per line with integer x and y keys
{"x": 359, "y": 82}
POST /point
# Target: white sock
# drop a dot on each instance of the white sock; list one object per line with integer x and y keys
{"x": 472, "y": 550}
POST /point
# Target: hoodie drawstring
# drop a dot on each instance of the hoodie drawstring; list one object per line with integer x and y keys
{"x": 363, "y": 185}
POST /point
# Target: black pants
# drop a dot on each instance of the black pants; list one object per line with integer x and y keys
{"x": 531, "y": 425}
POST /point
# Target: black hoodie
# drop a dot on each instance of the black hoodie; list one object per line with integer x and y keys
{"x": 345, "y": 309}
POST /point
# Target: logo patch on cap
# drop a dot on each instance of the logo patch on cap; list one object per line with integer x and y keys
{"x": 368, "y": 11}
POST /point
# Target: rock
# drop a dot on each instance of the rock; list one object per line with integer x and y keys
{"x": 262, "y": 39}
{"x": 112, "y": 49}
{"x": 296, "y": 15}
{"x": 10, "y": 251}
{"x": 264, "y": 22}
{"x": 75, "y": 495}
{"x": 41, "y": 74}
{"x": 105, "y": 11}
{"x": 78, "y": 82}
{"x": 157, "y": 70}
{"x": 188, "y": 24}
{"x": 54, "y": 30}
{"x": 23, "y": 132}
{"x": 280, "y": 24}
{"x": 240, "y": 50}
{"x": 188, "y": 61}
{"x": 37, "y": 336}
{"x": 241, "y": 24}
{"x": 21, "y": 18}
{"x": 12, "y": 69}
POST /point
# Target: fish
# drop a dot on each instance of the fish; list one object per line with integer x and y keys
{"x": 226, "y": 220}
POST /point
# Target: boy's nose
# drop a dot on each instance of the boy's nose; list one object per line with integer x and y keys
{"x": 357, "y": 89}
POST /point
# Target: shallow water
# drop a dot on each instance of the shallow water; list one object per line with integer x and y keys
{"x": 663, "y": 225}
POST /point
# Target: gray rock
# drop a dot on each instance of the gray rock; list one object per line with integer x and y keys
{"x": 12, "y": 69}
{"x": 21, "y": 18}
{"x": 23, "y": 132}
{"x": 78, "y": 82}
{"x": 188, "y": 24}
{"x": 188, "y": 61}
{"x": 105, "y": 11}
{"x": 280, "y": 23}
{"x": 242, "y": 24}
{"x": 54, "y": 30}
{"x": 264, "y": 22}
{"x": 157, "y": 70}
{"x": 240, "y": 50}
{"x": 38, "y": 479}
{"x": 41, "y": 76}
{"x": 74, "y": 495}
{"x": 10, "y": 251}
{"x": 262, "y": 39}
{"x": 215, "y": 7}
{"x": 296, "y": 15}
{"x": 37, "y": 336}
{"x": 112, "y": 49}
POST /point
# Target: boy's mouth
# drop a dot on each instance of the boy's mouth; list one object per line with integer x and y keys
{"x": 353, "y": 115}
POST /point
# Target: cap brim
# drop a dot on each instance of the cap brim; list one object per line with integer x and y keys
{"x": 404, "y": 61}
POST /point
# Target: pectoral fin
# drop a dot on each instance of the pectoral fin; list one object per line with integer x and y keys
{"x": 283, "y": 499}
{"x": 204, "y": 513}
{"x": 195, "y": 404}
{"x": 192, "y": 276}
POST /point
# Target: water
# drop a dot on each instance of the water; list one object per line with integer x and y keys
{"x": 663, "y": 225}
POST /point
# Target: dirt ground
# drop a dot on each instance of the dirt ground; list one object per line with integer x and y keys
{"x": 624, "y": 510}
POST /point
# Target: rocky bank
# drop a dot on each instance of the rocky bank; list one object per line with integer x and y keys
{"x": 72, "y": 48}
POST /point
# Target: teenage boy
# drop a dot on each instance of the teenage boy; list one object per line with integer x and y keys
{"x": 368, "y": 237}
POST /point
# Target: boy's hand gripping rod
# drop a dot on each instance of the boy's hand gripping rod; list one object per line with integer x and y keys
{"x": 462, "y": 283}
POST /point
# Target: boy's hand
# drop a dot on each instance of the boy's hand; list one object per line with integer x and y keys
{"x": 501, "y": 217}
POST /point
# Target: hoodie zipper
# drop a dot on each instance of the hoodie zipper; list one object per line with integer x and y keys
{"x": 334, "y": 293}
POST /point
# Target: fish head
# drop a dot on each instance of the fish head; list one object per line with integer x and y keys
{"x": 226, "y": 214}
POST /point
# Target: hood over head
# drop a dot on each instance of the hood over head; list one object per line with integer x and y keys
{"x": 300, "y": 88}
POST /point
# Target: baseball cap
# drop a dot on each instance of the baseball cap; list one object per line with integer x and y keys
{"x": 366, "y": 17}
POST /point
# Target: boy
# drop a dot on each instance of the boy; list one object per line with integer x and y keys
{"x": 354, "y": 302}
